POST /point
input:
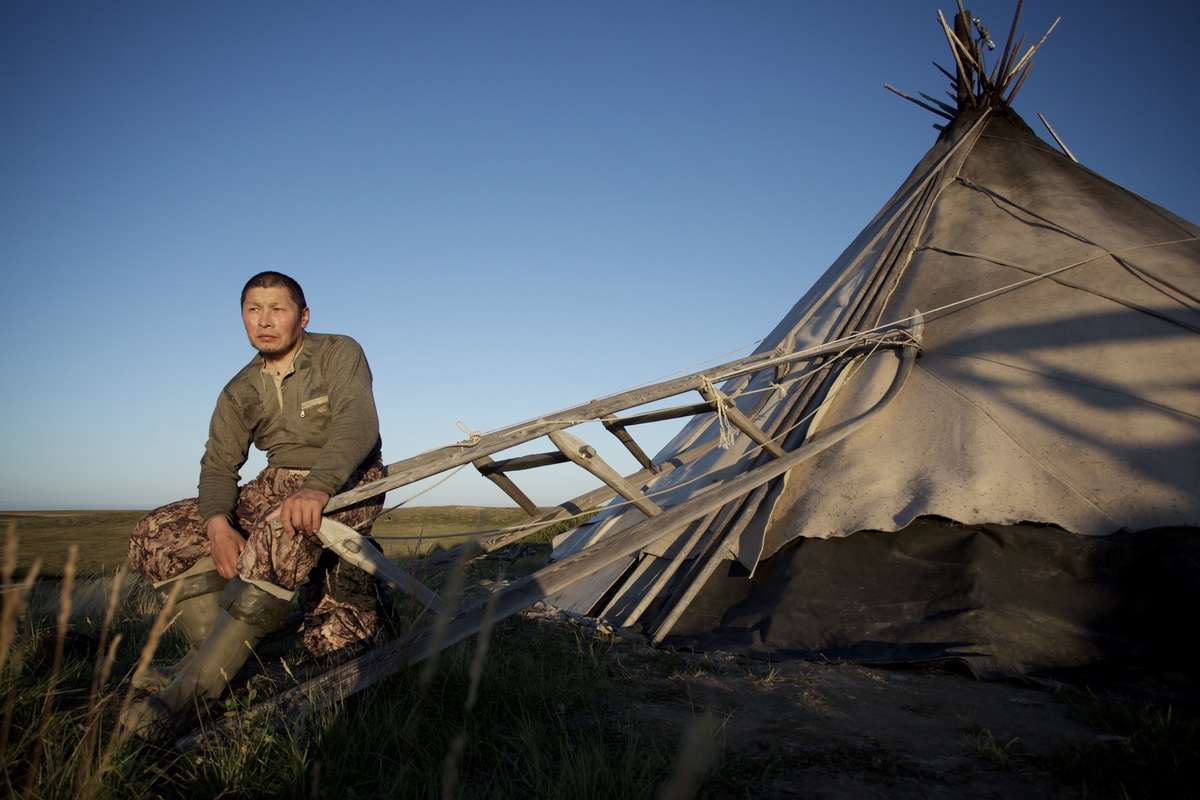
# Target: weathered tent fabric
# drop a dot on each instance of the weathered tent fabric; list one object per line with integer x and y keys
{"x": 1072, "y": 400}
{"x": 1057, "y": 397}
{"x": 1005, "y": 600}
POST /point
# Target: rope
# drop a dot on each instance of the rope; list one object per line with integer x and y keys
{"x": 409, "y": 499}
{"x": 473, "y": 436}
{"x": 723, "y": 425}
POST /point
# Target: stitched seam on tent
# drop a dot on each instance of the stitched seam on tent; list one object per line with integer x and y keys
{"x": 1053, "y": 273}
{"x": 1060, "y": 379}
{"x": 1017, "y": 443}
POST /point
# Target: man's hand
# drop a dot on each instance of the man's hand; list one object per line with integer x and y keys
{"x": 301, "y": 511}
{"x": 226, "y": 545}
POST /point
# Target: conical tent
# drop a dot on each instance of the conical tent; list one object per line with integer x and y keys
{"x": 1022, "y": 496}
{"x": 976, "y": 438}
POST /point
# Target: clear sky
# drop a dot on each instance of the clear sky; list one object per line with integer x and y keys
{"x": 514, "y": 206}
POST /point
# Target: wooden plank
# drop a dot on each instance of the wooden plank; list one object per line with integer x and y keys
{"x": 352, "y": 546}
{"x": 518, "y": 463}
{"x": 1065, "y": 149}
{"x": 506, "y": 485}
{"x": 706, "y": 568}
{"x": 699, "y": 528}
{"x": 925, "y": 106}
{"x": 740, "y": 420}
{"x": 585, "y": 456}
{"x": 1000, "y": 67}
{"x": 584, "y": 502}
{"x": 617, "y": 428}
{"x": 660, "y": 415}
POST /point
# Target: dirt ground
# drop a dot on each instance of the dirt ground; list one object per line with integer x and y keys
{"x": 851, "y": 731}
{"x": 815, "y": 730}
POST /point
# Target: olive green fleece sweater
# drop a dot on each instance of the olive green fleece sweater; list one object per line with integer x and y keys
{"x": 320, "y": 416}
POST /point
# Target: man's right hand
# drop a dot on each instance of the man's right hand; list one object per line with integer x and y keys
{"x": 226, "y": 545}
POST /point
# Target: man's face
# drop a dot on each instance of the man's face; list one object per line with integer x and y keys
{"x": 274, "y": 323}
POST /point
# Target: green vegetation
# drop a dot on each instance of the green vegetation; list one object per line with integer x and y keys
{"x": 1148, "y": 749}
{"x": 1002, "y": 755}
{"x": 101, "y": 536}
{"x": 523, "y": 722}
{"x": 534, "y": 708}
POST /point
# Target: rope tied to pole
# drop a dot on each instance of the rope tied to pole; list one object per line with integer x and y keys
{"x": 723, "y": 424}
{"x": 473, "y": 436}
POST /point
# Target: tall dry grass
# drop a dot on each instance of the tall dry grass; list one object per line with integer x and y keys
{"x": 513, "y": 713}
{"x": 59, "y": 642}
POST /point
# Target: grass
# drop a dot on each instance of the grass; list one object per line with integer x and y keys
{"x": 523, "y": 722}
{"x": 103, "y": 536}
{"x": 528, "y": 709}
{"x": 511, "y": 714}
{"x": 1149, "y": 750}
{"x": 1001, "y": 755}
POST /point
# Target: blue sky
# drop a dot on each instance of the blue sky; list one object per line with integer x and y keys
{"x": 514, "y": 206}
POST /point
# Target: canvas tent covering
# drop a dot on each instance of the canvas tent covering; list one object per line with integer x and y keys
{"x": 975, "y": 439}
{"x": 1022, "y": 497}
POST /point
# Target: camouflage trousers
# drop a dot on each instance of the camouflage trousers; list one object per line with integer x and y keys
{"x": 341, "y": 603}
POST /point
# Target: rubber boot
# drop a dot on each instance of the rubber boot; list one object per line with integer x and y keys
{"x": 248, "y": 614}
{"x": 196, "y": 610}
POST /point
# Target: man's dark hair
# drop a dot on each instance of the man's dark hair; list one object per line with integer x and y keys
{"x": 270, "y": 280}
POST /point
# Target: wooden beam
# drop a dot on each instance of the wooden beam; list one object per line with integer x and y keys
{"x": 705, "y": 567}
{"x": 518, "y": 463}
{"x": 699, "y": 527}
{"x": 585, "y": 456}
{"x": 506, "y": 485}
{"x": 740, "y": 420}
{"x": 663, "y": 414}
{"x": 584, "y": 502}
{"x": 925, "y": 106}
{"x": 352, "y": 546}
{"x": 617, "y": 428}
{"x": 1065, "y": 149}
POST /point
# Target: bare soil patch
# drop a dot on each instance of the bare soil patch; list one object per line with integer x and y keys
{"x": 823, "y": 730}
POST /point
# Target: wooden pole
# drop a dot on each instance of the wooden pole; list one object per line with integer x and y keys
{"x": 740, "y": 420}
{"x": 506, "y": 485}
{"x": 585, "y": 456}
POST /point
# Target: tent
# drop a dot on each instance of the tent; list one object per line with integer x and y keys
{"x": 975, "y": 440}
{"x": 1002, "y": 461}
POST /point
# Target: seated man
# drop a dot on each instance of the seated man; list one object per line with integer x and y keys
{"x": 242, "y": 553}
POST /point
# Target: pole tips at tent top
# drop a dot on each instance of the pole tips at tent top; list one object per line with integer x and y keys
{"x": 972, "y": 84}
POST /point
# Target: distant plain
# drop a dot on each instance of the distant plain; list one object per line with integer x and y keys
{"x": 103, "y": 536}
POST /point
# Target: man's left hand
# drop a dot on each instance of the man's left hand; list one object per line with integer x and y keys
{"x": 301, "y": 511}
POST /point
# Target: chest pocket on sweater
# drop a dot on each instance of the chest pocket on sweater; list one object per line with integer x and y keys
{"x": 318, "y": 405}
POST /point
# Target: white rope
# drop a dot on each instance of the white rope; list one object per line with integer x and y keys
{"x": 725, "y": 439}
{"x": 410, "y": 498}
{"x": 473, "y": 436}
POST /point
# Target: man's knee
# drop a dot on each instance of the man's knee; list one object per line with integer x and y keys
{"x": 167, "y": 541}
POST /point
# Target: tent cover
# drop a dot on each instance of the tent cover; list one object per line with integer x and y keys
{"x": 1027, "y": 502}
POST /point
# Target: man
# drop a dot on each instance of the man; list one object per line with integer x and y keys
{"x": 242, "y": 554}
